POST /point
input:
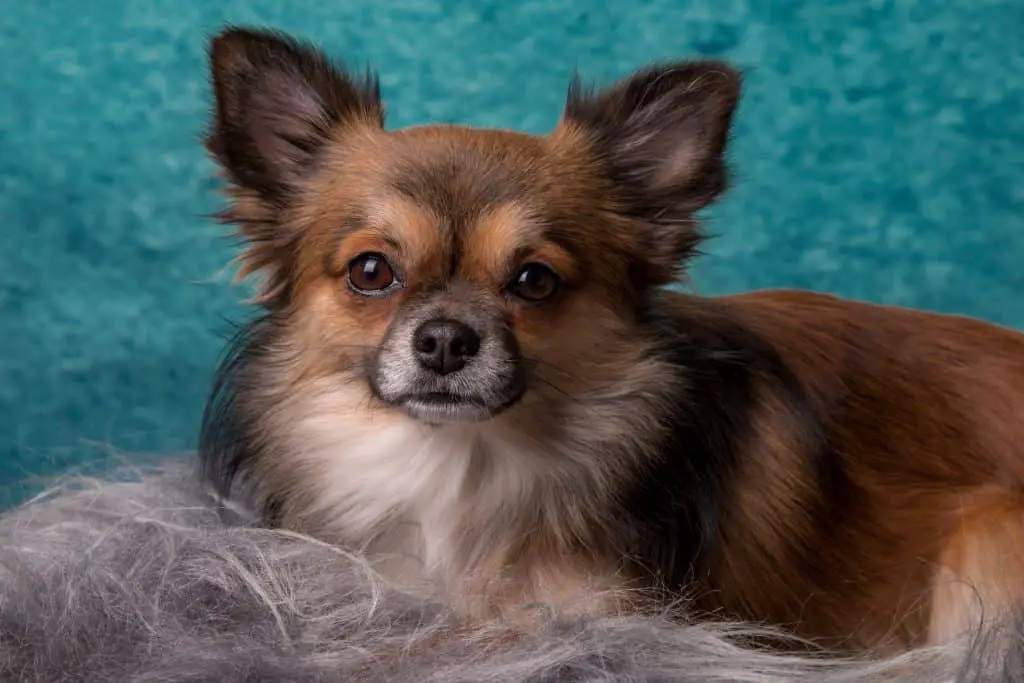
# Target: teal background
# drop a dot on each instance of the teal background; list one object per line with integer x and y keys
{"x": 878, "y": 153}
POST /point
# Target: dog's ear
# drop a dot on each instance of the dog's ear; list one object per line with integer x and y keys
{"x": 276, "y": 103}
{"x": 661, "y": 135}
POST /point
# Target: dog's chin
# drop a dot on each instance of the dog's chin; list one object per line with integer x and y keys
{"x": 442, "y": 408}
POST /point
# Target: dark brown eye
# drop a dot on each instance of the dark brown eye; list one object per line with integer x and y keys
{"x": 370, "y": 274}
{"x": 535, "y": 282}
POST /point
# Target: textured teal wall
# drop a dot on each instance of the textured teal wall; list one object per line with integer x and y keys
{"x": 879, "y": 155}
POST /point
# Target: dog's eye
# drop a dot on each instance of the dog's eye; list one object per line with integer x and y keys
{"x": 370, "y": 273}
{"x": 535, "y": 282}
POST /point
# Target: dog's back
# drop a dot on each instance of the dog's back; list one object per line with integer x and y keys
{"x": 909, "y": 517}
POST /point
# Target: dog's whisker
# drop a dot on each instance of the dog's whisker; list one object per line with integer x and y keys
{"x": 548, "y": 383}
{"x": 553, "y": 368}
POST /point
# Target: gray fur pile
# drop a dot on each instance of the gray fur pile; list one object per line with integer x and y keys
{"x": 146, "y": 582}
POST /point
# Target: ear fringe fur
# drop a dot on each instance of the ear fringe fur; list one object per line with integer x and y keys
{"x": 265, "y": 244}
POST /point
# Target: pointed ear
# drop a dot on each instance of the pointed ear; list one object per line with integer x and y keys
{"x": 276, "y": 101}
{"x": 661, "y": 136}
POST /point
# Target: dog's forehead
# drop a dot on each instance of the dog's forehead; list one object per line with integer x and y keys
{"x": 463, "y": 175}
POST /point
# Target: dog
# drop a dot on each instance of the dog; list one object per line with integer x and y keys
{"x": 469, "y": 365}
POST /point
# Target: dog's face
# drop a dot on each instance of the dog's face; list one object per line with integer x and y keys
{"x": 450, "y": 269}
{"x": 454, "y": 273}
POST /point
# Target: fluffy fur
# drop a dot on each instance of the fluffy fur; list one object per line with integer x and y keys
{"x": 151, "y": 581}
{"x": 837, "y": 468}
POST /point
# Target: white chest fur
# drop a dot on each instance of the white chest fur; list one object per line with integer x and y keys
{"x": 439, "y": 495}
{"x": 519, "y": 503}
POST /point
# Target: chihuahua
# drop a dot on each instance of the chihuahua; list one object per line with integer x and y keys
{"x": 469, "y": 366}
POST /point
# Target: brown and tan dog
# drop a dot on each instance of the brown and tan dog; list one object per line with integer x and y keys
{"x": 469, "y": 368}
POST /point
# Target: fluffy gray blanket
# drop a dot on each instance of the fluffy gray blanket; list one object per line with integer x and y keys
{"x": 145, "y": 581}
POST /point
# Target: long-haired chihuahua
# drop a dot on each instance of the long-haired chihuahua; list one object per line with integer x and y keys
{"x": 468, "y": 367}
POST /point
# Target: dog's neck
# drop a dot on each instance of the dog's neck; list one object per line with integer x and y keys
{"x": 459, "y": 500}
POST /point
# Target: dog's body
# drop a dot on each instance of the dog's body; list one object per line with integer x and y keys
{"x": 904, "y": 518}
{"x": 469, "y": 369}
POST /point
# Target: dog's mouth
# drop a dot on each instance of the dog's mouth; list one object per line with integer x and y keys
{"x": 435, "y": 407}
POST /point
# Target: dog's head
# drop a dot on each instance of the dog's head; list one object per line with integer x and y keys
{"x": 453, "y": 272}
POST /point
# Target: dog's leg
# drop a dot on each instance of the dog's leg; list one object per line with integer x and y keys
{"x": 980, "y": 577}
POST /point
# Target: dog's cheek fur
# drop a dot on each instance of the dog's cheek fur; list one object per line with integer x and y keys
{"x": 275, "y": 359}
{"x": 579, "y": 345}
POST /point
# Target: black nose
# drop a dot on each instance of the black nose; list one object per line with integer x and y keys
{"x": 444, "y": 346}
